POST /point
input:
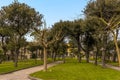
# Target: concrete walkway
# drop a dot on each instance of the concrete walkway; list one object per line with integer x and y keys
{"x": 108, "y": 66}
{"x": 113, "y": 67}
{"x": 23, "y": 74}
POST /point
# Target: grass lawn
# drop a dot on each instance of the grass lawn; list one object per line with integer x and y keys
{"x": 78, "y": 71}
{"x": 9, "y": 66}
{"x": 113, "y": 63}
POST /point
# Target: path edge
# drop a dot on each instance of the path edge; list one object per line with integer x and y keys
{"x": 33, "y": 78}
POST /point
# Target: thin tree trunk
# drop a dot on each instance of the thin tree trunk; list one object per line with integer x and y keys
{"x": 104, "y": 49}
{"x": 63, "y": 56}
{"x": 16, "y": 59}
{"x": 36, "y": 57}
{"x": 54, "y": 58}
{"x": 12, "y": 56}
{"x": 103, "y": 58}
{"x": 87, "y": 55}
{"x": 39, "y": 52}
{"x": 3, "y": 47}
{"x": 21, "y": 56}
{"x": 115, "y": 35}
{"x": 41, "y": 55}
{"x": 24, "y": 52}
{"x": 0, "y": 60}
{"x": 52, "y": 55}
{"x": 79, "y": 54}
{"x": 114, "y": 57}
{"x": 45, "y": 59}
{"x": 117, "y": 48}
{"x": 96, "y": 57}
{"x": 96, "y": 62}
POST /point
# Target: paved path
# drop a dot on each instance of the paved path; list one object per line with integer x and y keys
{"x": 113, "y": 67}
{"x": 23, "y": 74}
{"x": 109, "y": 66}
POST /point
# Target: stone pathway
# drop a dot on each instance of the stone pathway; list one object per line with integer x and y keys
{"x": 23, "y": 74}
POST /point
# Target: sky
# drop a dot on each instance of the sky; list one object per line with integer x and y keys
{"x": 54, "y": 10}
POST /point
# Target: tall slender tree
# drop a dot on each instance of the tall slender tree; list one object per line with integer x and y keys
{"x": 43, "y": 36}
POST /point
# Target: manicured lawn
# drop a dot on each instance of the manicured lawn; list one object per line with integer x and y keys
{"x": 113, "y": 63}
{"x": 9, "y": 66}
{"x": 78, "y": 71}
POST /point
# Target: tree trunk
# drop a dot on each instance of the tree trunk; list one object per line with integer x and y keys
{"x": 41, "y": 55}
{"x": 63, "y": 56}
{"x": 45, "y": 59}
{"x": 52, "y": 55}
{"x": 54, "y": 58}
{"x": 0, "y": 60}
{"x": 36, "y": 57}
{"x": 16, "y": 59}
{"x": 96, "y": 56}
{"x": 3, "y": 47}
{"x": 24, "y": 52}
{"x": 87, "y": 55}
{"x": 108, "y": 56}
{"x": 103, "y": 58}
{"x": 114, "y": 57}
{"x": 115, "y": 35}
{"x": 117, "y": 48}
{"x": 79, "y": 54}
{"x": 21, "y": 56}
{"x": 12, "y": 56}
{"x": 104, "y": 43}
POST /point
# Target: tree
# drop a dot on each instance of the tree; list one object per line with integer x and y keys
{"x": 4, "y": 35}
{"x": 54, "y": 48}
{"x": 88, "y": 42}
{"x": 20, "y": 18}
{"x": 109, "y": 14}
{"x": 74, "y": 29}
{"x": 93, "y": 31}
{"x": 62, "y": 50}
{"x": 34, "y": 48}
{"x": 44, "y": 38}
{"x": 58, "y": 26}
{"x": 1, "y": 55}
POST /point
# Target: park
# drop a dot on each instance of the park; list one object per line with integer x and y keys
{"x": 40, "y": 41}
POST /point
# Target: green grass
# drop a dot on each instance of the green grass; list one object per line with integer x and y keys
{"x": 9, "y": 66}
{"x": 78, "y": 71}
{"x": 113, "y": 63}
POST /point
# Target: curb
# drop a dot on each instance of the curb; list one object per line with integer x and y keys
{"x": 32, "y": 78}
{"x": 19, "y": 69}
{"x": 22, "y": 69}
